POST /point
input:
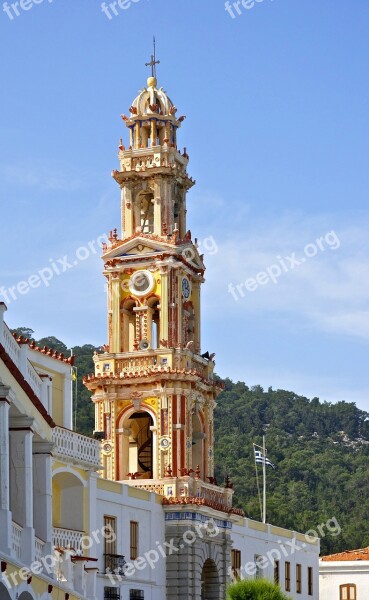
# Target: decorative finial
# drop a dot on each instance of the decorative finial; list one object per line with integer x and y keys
{"x": 153, "y": 62}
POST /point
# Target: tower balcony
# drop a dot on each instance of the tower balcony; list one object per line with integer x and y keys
{"x": 144, "y": 363}
{"x": 188, "y": 490}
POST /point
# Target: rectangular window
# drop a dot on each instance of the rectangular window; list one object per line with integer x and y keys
{"x": 111, "y": 593}
{"x": 276, "y": 572}
{"x": 258, "y": 569}
{"x": 348, "y": 591}
{"x": 287, "y": 576}
{"x": 133, "y": 540}
{"x": 310, "y": 581}
{"x": 110, "y": 543}
{"x": 136, "y": 595}
{"x": 298, "y": 579}
{"x": 236, "y": 563}
{"x": 110, "y": 539}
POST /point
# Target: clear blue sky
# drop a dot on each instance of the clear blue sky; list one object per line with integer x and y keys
{"x": 277, "y": 105}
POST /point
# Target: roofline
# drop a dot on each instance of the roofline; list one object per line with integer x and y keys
{"x": 25, "y": 386}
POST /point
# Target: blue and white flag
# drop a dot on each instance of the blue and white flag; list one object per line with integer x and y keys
{"x": 259, "y": 459}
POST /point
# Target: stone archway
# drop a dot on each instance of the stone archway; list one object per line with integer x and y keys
{"x": 25, "y": 596}
{"x": 210, "y": 585}
{"x": 4, "y": 594}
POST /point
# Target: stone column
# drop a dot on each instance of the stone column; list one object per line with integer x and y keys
{"x": 5, "y": 514}
{"x": 164, "y": 330}
{"x": 196, "y": 294}
{"x": 157, "y": 208}
{"x": 21, "y": 482}
{"x": 42, "y": 493}
{"x": 116, "y": 328}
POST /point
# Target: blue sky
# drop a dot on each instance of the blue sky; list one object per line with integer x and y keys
{"x": 277, "y": 105}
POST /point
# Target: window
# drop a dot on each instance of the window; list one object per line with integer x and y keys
{"x": 113, "y": 562}
{"x": 110, "y": 538}
{"x": 133, "y": 540}
{"x": 310, "y": 581}
{"x": 258, "y": 568}
{"x": 298, "y": 579}
{"x": 111, "y": 593}
{"x": 348, "y": 591}
{"x": 287, "y": 576}
{"x": 276, "y": 572}
{"x": 236, "y": 563}
{"x": 136, "y": 595}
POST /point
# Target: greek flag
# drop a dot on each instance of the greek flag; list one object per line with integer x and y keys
{"x": 259, "y": 459}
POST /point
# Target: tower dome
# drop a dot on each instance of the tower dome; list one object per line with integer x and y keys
{"x": 152, "y": 101}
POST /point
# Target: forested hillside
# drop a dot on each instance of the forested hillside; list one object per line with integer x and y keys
{"x": 320, "y": 451}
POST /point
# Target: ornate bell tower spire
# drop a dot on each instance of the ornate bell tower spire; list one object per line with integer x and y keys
{"x": 154, "y": 392}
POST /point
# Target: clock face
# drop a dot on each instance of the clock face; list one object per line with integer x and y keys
{"x": 141, "y": 283}
{"x": 186, "y": 288}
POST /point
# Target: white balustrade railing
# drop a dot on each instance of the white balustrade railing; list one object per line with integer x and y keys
{"x": 10, "y": 345}
{"x": 16, "y": 540}
{"x": 34, "y": 379}
{"x": 39, "y": 549}
{"x": 68, "y": 538}
{"x": 76, "y": 446}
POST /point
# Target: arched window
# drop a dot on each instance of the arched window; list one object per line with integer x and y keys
{"x": 154, "y": 322}
{"x": 128, "y": 325}
{"x": 146, "y": 212}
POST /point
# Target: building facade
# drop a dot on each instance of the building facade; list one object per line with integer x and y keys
{"x": 344, "y": 576}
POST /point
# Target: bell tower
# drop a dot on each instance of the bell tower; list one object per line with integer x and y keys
{"x": 153, "y": 387}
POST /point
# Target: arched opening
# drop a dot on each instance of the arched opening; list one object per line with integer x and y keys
{"x": 136, "y": 447}
{"x": 4, "y": 594}
{"x": 128, "y": 333}
{"x": 189, "y": 322}
{"x": 23, "y": 596}
{"x": 154, "y": 322}
{"x": 210, "y": 589}
{"x": 146, "y": 212}
{"x": 197, "y": 443}
{"x": 68, "y": 502}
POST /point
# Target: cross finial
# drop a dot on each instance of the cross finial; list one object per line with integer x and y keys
{"x": 153, "y": 61}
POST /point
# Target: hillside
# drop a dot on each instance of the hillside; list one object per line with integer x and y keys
{"x": 320, "y": 450}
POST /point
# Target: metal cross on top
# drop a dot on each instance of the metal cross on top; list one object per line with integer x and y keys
{"x": 153, "y": 61}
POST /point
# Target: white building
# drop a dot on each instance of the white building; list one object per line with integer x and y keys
{"x": 344, "y": 576}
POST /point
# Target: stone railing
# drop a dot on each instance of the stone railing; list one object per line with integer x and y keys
{"x": 16, "y": 540}
{"x": 127, "y": 362}
{"x": 72, "y": 445}
{"x": 9, "y": 343}
{"x": 19, "y": 356}
{"x": 34, "y": 379}
{"x": 185, "y": 487}
{"x": 68, "y": 538}
{"x": 140, "y": 363}
{"x": 39, "y": 549}
{"x": 150, "y": 485}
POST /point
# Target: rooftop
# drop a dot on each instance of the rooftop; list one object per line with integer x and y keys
{"x": 348, "y": 555}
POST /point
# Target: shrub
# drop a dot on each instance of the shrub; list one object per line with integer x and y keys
{"x": 255, "y": 589}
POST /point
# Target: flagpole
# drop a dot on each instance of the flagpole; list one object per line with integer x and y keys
{"x": 264, "y": 481}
